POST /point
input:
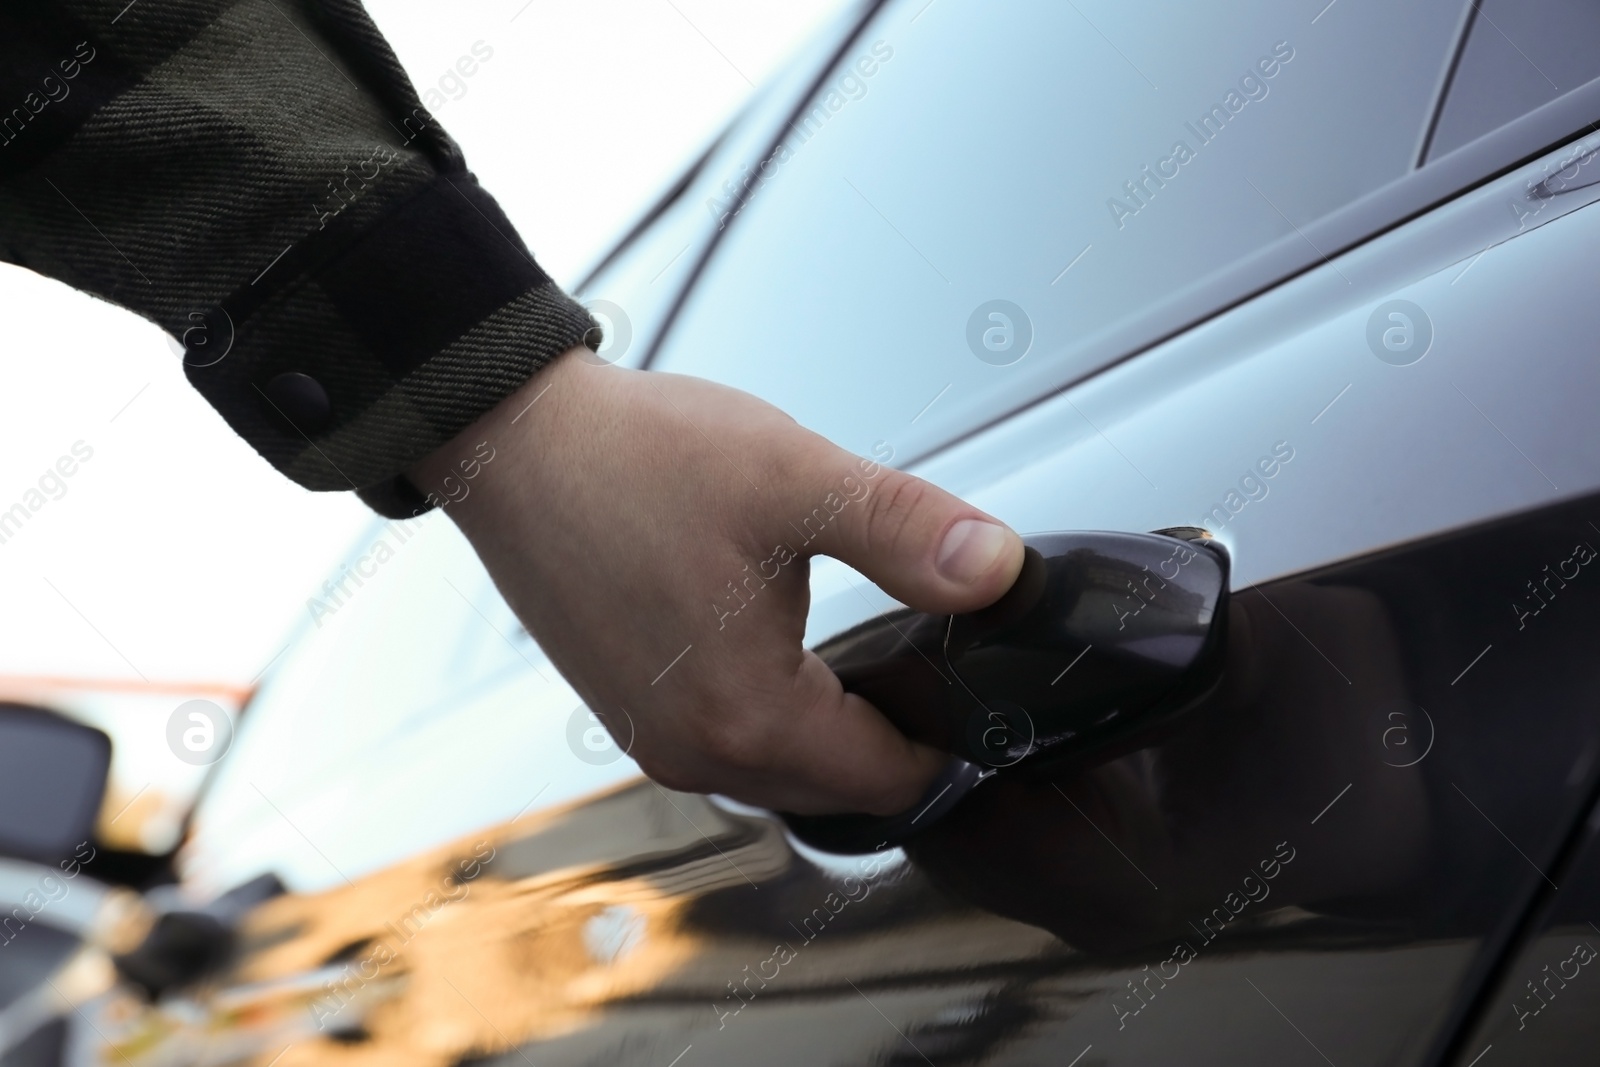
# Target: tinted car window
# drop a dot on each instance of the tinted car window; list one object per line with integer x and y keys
{"x": 1076, "y": 163}
{"x": 1518, "y": 54}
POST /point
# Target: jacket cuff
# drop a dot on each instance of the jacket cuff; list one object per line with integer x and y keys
{"x": 396, "y": 498}
{"x": 384, "y": 339}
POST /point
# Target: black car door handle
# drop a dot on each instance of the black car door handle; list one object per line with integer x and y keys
{"x": 1103, "y": 638}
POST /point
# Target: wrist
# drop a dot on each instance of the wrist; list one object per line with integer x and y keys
{"x": 452, "y": 475}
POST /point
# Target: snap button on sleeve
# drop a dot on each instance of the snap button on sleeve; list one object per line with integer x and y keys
{"x": 301, "y": 399}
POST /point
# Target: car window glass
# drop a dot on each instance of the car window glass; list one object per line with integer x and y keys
{"x": 1518, "y": 55}
{"x": 979, "y": 197}
{"x": 634, "y": 287}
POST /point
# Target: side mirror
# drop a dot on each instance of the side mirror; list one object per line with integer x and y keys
{"x": 52, "y": 781}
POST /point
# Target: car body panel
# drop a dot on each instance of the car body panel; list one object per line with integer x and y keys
{"x": 1541, "y": 1007}
{"x": 1334, "y": 849}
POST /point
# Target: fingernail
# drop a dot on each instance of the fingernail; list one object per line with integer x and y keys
{"x": 970, "y": 549}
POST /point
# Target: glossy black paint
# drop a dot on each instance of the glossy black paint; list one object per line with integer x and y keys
{"x": 1542, "y": 1006}
{"x": 1331, "y": 859}
{"x": 1393, "y": 770}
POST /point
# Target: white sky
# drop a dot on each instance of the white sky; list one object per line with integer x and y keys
{"x": 176, "y": 552}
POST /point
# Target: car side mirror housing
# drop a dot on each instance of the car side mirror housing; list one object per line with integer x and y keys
{"x": 52, "y": 782}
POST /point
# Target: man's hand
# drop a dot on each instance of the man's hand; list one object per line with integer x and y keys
{"x": 627, "y": 515}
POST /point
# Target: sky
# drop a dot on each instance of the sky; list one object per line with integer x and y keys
{"x": 173, "y": 553}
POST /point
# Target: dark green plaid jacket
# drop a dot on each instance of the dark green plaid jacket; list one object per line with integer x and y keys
{"x": 259, "y": 178}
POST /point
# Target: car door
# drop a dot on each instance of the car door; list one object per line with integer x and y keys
{"x": 1383, "y": 433}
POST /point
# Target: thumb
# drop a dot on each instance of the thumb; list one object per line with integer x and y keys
{"x": 921, "y": 545}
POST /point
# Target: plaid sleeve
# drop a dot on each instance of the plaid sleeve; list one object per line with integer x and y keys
{"x": 259, "y": 178}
